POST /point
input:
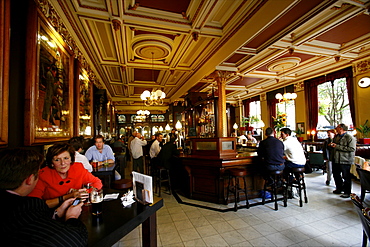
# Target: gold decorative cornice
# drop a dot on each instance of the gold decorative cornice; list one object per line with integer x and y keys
{"x": 362, "y": 67}
{"x": 299, "y": 86}
{"x": 56, "y": 22}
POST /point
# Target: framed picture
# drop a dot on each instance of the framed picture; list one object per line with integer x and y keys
{"x": 84, "y": 101}
{"x": 4, "y": 70}
{"x": 300, "y": 126}
{"x": 49, "y": 84}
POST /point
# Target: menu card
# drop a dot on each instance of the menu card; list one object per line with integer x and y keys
{"x": 143, "y": 187}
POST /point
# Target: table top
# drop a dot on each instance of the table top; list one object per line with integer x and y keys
{"x": 105, "y": 169}
{"x": 116, "y": 221}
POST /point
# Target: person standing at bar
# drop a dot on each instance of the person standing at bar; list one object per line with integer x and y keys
{"x": 28, "y": 221}
{"x": 137, "y": 152}
{"x": 344, "y": 146}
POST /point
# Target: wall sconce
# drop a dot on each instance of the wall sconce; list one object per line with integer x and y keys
{"x": 313, "y": 133}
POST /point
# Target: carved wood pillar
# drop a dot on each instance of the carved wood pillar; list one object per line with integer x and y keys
{"x": 222, "y": 77}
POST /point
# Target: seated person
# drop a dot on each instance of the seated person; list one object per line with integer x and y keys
{"x": 293, "y": 150}
{"x": 77, "y": 145}
{"x": 28, "y": 221}
{"x": 168, "y": 154}
{"x": 62, "y": 178}
{"x": 271, "y": 152}
{"x": 102, "y": 153}
{"x": 251, "y": 139}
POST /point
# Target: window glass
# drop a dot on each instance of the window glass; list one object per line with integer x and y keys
{"x": 255, "y": 113}
{"x": 333, "y": 106}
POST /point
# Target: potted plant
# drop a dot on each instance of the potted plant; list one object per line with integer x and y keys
{"x": 364, "y": 130}
{"x": 299, "y": 132}
{"x": 250, "y": 120}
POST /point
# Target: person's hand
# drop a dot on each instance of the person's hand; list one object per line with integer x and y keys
{"x": 61, "y": 210}
{"x": 74, "y": 211}
{"x": 333, "y": 145}
{"x": 81, "y": 193}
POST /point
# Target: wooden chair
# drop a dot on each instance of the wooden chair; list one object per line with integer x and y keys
{"x": 364, "y": 181}
{"x": 365, "y": 220}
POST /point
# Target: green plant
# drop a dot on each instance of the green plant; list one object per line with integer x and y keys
{"x": 250, "y": 120}
{"x": 279, "y": 121}
{"x": 299, "y": 132}
{"x": 364, "y": 129}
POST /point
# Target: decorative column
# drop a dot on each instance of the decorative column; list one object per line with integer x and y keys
{"x": 222, "y": 77}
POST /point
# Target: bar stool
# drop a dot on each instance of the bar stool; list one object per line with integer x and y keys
{"x": 277, "y": 177}
{"x": 234, "y": 175}
{"x": 122, "y": 184}
{"x": 162, "y": 175}
{"x": 298, "y": 182}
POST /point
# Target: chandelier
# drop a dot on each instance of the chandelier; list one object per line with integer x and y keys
{"x": 141, "y": 115}
{"x": 154, "y": 97}
{"x": 285, "y": 96}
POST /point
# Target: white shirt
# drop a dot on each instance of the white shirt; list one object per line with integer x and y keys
{"x": 136, "y": 147}
{"x": 82, "y": 159}
{"x": 154, "y": 149}
{"x": 293, "y": 150}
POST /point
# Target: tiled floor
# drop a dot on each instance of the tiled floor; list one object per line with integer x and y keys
{"x": 327, "y": 220}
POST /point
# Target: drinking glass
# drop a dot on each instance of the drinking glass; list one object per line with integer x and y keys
{"x": 96, "y": 201}
{"x": 95, "y": 165}
{"x": 88, "y": 187}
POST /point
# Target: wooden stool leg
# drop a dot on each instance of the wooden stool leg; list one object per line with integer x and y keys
{"x": 236, "y": 193}
{"x": 246, "y": 192}
{"x": 274, "y": 189}
{"x": 228, "y": 191}
{"x": 169, "y": 181}
{"x": 264, "y": 192}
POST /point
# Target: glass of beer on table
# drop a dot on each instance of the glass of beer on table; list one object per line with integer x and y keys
{"x": 96, "y": 198}
{"x": 95, "y": 165}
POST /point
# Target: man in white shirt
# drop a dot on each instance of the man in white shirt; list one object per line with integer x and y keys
{"x": 136, "y": 147}
{"x": 156, "y": 148}
{"x": 77, "y": 145}
{"x": 293, "y": 150}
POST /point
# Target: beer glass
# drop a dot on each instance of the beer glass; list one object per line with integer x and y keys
{"x": 96, "y": 201}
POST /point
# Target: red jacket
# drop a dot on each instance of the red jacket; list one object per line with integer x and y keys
{"x": 51, "y": 185}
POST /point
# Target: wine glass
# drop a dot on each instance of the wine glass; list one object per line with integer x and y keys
{"x": 88, "y": 187}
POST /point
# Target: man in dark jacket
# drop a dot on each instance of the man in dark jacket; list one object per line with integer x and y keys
{"x": 271, "y": 152}
{"x": 28, "y": 221}
{"x": 344, "y": 147}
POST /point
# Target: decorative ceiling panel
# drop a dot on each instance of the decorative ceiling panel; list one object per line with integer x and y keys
{"x": 190, "y": 38}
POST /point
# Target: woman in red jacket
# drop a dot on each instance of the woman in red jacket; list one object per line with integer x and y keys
{"x": 62, "y": 178}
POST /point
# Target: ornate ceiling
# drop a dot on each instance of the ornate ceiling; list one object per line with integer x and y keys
{"x": 176, "y": 45}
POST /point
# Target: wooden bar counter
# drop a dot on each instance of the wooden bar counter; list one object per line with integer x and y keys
{"x": 204, "y": 177}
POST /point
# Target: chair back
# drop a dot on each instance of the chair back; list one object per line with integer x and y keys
{"x": 364, "y": 178}
{"x": 362, "y": 213}
{"x": 316, "y": 159}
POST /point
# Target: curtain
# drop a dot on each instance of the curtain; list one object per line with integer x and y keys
{"x": 312, "y": 99}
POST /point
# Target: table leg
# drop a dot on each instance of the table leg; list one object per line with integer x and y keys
{"x": 149, "y": 231}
